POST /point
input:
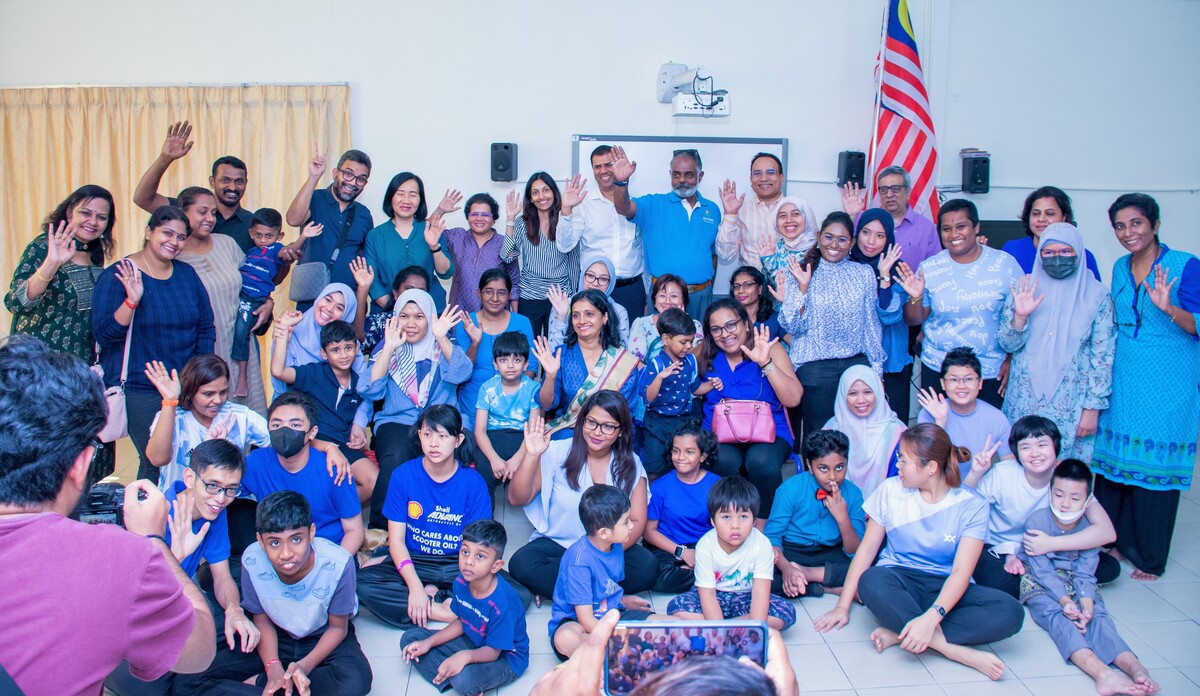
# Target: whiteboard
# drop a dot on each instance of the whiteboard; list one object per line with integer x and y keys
{"x": 723, "y": 158}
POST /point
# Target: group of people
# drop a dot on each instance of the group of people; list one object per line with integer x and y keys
{"x": 581, "y": 362}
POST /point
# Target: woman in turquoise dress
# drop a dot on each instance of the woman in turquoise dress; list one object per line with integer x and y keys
{"x": 1146, "y": 444}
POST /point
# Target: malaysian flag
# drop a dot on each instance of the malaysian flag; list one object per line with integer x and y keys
{"x": 903, "y": 132}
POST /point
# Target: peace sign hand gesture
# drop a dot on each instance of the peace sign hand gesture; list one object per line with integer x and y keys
{"x": 801, "y": 272}
{"x": 622, "y": 167}
{"x": 761, "y": 352}
{"x": 1160, "y": 293}
{"x": 913, "y": 283}
{"x": 176, "y": 144}
{"x": 731, "y": 202}
{"x": 317, "y": 166}
{"x": 1024, "y": 301}
{"x": 983, "y": 460}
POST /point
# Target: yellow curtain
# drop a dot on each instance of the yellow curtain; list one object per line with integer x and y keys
{"x": 56, "y": 139}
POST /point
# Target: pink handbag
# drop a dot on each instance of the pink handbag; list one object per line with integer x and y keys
{"x": 117, "y": 425}
{"x": 738, "y": 421}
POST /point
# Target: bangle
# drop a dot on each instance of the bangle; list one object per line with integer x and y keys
{"x": 510, "y": 223}
{"x": 268, "y": 663}
{"x": 401, "y": 564}
{"x": 914, "y": 300}
{"x": 41, "y": 278}
{"x": 170, "y": 402}
{"x": 160, "y": 537}
{"x": 1171, "y": 313}
{"x": 768, "y": 368}
{"x": 129, "y": 304}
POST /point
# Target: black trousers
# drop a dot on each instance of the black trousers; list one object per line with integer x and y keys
{"x": 345, "y": 671}
{"x": 537, "y": 312}
{"x": 820, "y": 381}
{"x": 506, "y": 443}
{"x": 632, "y": 297}
{"x": 140, "y": 410}
{"x": 1145, "y": 522}
{"x": 989, "y": 393}
{"x": 535, "y": 565}
{"x": 898, "y": 388}
{"x": 989, "y": 572}
{"x": 673, "y": 576}
{"x": 832, "y": 558}
{"x": 763, "y": 464}
{"x": 658, "y": 432}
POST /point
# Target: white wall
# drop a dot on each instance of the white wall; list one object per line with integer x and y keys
{"x": 1097, "y": 97}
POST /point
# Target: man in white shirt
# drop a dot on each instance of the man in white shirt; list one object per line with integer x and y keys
{"x": 595, "y": 225}
{"x": 749, "y": 228}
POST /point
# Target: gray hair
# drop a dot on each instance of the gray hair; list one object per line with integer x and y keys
{"x": 894, "y": 169}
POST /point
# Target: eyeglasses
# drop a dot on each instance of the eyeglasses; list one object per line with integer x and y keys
{"x": 764, "y": 172}
{"x": 592, "y": 425}
{"x": 593, "y": 278}
{"x": 1051, "y": 253}
{"x": 350, "y": 177}
{"x": 218, "y": 489}
{"x": 891, "y": 190}
{"x": 729, "y": 327}
{"x": 491, "y": 292}
{"x": 738, "y": 287}
{"x": 483, "y": 215}
{"x": 840, "y": 240}
{"x": 961, "y": 381}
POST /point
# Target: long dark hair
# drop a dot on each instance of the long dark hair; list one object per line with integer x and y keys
{"x": 101, "y": 248}
{"x": 766, "y": 303}
{"x": 837, "y": 217}
{"x": 708, "y": 346}
{"x": 530, "y": 212}
{"x": 624, "y": 466}
{"x": 610, "y": 334}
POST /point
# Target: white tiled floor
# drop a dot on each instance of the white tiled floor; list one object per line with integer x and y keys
{"x": 1160, "y": 621}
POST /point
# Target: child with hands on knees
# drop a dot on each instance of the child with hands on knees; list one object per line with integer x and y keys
{"x": 503, "y": 407}
{"x": 666, "y": 386}
{"x": 485, "y": 645}
{"x": 677, "y": 514}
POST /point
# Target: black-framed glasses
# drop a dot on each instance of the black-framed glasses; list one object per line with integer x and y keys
{"x": 728, "y": 327}
{"x": 96, "y": 446}
{"x": 745, "y": 285}
{"x": 593, "y": 278}
{"x": 217, "y": 489}
{"x": 891, "y": 190}
{"x": 764, "y": 172}
{"x": 591, "y": 425}
{"x": 350, "y": 177}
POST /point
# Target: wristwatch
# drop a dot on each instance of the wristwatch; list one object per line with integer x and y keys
{"x": 679, "y": 553}
{"x": 941, "y": 612}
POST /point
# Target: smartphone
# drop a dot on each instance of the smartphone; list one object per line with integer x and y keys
{"x": 640, "y": 648}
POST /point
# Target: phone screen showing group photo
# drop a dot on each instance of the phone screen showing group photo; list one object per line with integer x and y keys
{"x": 638, "y": 649}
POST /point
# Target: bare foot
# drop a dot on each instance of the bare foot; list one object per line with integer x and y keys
{"x": 1141, "y": 677}
{"x": 1115, "y": 553}
{"x": 982, "y": 661}
{"x": 1113, "y": 682}
{"x": 884, "y": 638}
{"x": 432, "y": 591}
{"x": 1143, "y": 576}
{"x": 537, "y": 599}
{"x": 242, "y": 390}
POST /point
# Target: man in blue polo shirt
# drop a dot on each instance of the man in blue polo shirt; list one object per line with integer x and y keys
{"x": 678, "y": 228}
{"x": 336, "y": 209}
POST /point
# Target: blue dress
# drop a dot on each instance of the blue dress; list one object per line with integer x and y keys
{"x": 1147, "y": 437}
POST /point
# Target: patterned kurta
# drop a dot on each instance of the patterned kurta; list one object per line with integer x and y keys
{"x": 836, "y": 318}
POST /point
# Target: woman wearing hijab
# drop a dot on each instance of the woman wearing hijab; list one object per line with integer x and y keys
{"x": 597, "y": 274}
{"x": 875, "y": 245}
{"x": 796, "y": 224}
{"x": 861, "y": 411}
{"x": 416, "y": 366}
{"x": 1062, "y": 342}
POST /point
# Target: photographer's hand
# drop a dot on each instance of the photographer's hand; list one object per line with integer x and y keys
{"x": 149, "y": 516}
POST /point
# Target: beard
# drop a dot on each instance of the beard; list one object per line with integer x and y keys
{"x": 684, "y": 191}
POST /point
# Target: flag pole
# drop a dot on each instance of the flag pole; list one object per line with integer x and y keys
{"x": 879, "y": 69}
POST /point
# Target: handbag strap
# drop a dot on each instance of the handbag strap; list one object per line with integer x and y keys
{"x": 342, "y": 235}
{"x": 128, "y": 341}
{"x": 727, "y": 404}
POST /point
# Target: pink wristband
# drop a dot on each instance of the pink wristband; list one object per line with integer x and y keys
{"x": 401, "y": 564}
{"x": 271, "y": 662}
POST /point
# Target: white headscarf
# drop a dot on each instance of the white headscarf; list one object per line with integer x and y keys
{"x": 1059, "y": 325}
{"x": 403, "y": 366}
{"x": 808, "y": 236}
{"x": 873, "y": 438}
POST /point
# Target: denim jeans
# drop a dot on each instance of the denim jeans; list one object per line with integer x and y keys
{"x": 475, "y": 678}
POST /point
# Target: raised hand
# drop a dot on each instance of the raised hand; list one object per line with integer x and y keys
{"x": 767, "y": 246}
{"x": 547, "y": 358}
{"x": 184, "y": 541}
{"x": 761, "y": 352}
{"x": 290, "y": 318}
{"x": 1024, "y": 299}
{"x": 131, "y": 277}
{"x": 537, "y": 440}
{"x": 433, "y": 231}
{"x": 779, "y": 289}
{"x": 913, "y": 283}
{"x": 574, "y": 193}
{"x": 60, "y": 246}
{"x": 983, "y": 459}
{"x": 835, "y": 503}
{"x": 167, "y": 383}
{"x": 559, "y": 300}
{"x": 393, "y": 333}
{"x": 854, "y": 199}
{"x": 311, "y": 230}
{"x": 447, "y": 320}
{"x": 473, "y": 331}
{"x": 513, "y": 205}
{"x": 622, "y": 167}
{"x": 220, "y": 428}
{"x": 1160, "y": 293}
{"x": 363, "y": 274}
{"x": 731, "y": 202}
{"x": 176, "y": 144}
{"x": 935, "y": 403}
{"x": 317, "y": 166}
{"x": 888, "y": 260}
{"x": 450, "y": 202}
{"x": 801, "y": 272}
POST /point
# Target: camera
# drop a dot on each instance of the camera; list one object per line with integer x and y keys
{"x": 104, "y": 504}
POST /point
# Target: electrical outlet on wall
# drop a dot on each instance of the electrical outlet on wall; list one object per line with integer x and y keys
{"x": 688, "y": 105}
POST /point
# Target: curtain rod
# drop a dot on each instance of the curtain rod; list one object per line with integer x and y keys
{"x": 191, "y": 84}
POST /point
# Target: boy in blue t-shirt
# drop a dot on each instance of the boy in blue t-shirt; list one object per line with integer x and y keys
{"x": 967, "y": 419}
{"x": 666, "y": 385}
{"x": 677, "y": 515}
{"x": 261, "y": 271}
{"x": 332, "y": 384}
{"x": 291, "y": 463}
{"x": 590, "y": 570}
{"x": 299, "y": 589}
{"x": 502, "y": 408}
{"x": 817, "y": 520}
{"x": 488, "y": 623}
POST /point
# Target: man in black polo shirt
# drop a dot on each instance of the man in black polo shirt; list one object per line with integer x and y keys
{"x": 228, "y": 183}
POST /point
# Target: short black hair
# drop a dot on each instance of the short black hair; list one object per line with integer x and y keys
{"x": 295, "y": 398}
{"x": 485, "y": 198}
{"x": 510, "y": 343}
{"x": 229, "y": 160}
{"x": 267, "y": 217}
{"x": 958, "y": 204}
{"x": 489, "y": 533}
{"x": 1141, "y": 201}
{"x": 676, "y": 322}
{"x": 760, "y": 155}
{"x": 601, "y": 507}
{"x": 355, "y": 156}
{"x": 218, "y": 453}
{"x": 962, "y": 356}
{"x": 734, "y": 494}
{"x": 51, "y": 408}
{"x": 188, "y": 196}
{"x": 406, "y": 273}
{"x": 1073, "y": 470}
{"x": 281, "y": 511}
{"x": 823, "y": 442}
{"x": 600, "y": 150}
{"x": 337, "y": 331}
{"x": 1034, "y": 426}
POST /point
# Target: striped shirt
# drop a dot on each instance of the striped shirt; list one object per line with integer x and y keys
{"x": 542, "y": 264}
{"x": 836, "y": 318}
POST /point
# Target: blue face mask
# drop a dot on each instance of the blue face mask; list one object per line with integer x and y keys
{"x": 1060, "y": 267}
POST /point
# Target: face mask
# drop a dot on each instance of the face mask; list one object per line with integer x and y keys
{"x": 287, "y": 442}
{"x": 1069, "y": 517}
{"x": 1060, "y": 267}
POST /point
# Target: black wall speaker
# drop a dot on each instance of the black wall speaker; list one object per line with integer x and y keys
{"x": 975, "y": 174}
{"x": 851, "y": 167}
{"x": 504, "y": 161}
